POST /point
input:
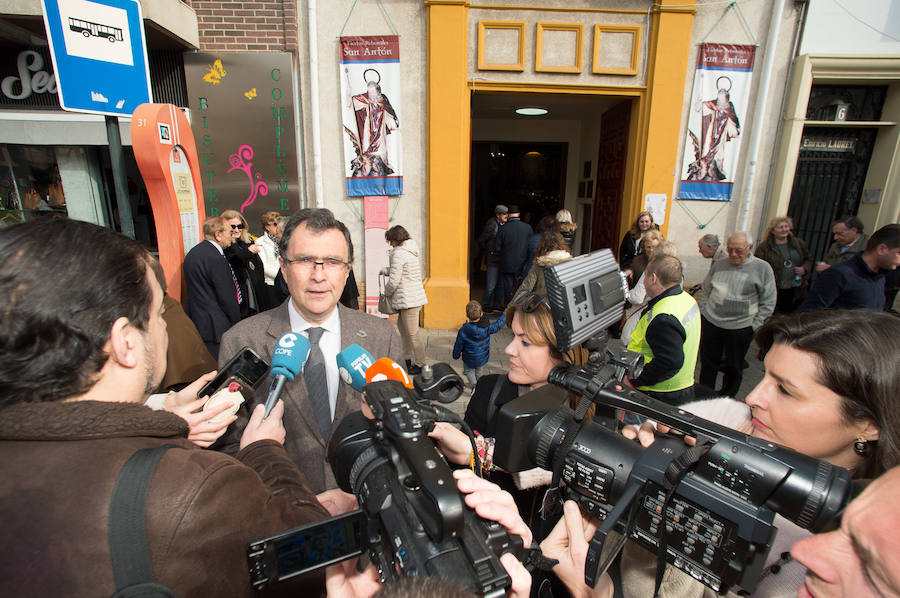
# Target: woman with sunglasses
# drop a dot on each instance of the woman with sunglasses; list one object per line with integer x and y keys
{"x": 831, "y": 391}
{"x": 243, "y": 255}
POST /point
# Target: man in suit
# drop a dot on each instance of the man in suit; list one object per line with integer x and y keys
{"x": 213, "y": 297}
{"x": 316, "y": 256}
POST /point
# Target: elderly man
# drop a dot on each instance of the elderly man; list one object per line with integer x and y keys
{"x": 510, "y": 244}
{"x": 849, "y": 241}
{"x": 75, "y": 369}
{"x": 858, "y": 283}
{"x": 316, "y": 257}
{"x": 738, "y": 295}
{"x": 667, "y": 335}
{"x": 213, "y": 297}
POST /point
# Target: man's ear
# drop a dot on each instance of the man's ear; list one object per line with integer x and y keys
{"x": 123, "y": 339}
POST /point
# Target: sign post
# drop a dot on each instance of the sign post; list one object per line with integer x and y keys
{"x": 100, "y": 58}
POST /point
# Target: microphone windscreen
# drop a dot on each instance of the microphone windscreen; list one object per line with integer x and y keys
{"x": 289, "y": 355}
{"x": 388, "y": 369}
{"x": 352, "y": 364}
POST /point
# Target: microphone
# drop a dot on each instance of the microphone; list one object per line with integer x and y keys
{"x": 352, "y": 364}
{"x": 288, "y": 358}
{"x": 388, "y": 369}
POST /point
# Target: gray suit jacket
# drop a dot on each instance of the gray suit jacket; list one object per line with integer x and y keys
{"x": 303, "y": 441}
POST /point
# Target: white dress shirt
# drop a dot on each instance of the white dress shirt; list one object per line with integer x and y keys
{"x": 330, "y": 345}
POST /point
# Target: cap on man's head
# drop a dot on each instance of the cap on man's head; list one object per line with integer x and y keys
{"x": 501, "y": 209}
{"x": 513, "y": 209}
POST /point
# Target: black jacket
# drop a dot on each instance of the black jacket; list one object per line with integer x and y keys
{"x": 511, "y": 243}
{"x": 211, "y": 298}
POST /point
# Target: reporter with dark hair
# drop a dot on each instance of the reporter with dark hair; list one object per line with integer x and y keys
{"x": 75, "y": 368}
{"x": 831, "y": 391}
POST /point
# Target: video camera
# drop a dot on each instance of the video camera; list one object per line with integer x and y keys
{"x": 709, "y": 509}
{"x": 412, "y": 519}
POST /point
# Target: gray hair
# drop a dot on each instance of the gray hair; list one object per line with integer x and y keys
{"x": 710, "y": 241}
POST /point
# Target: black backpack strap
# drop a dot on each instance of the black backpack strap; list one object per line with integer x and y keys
{"x": 128, "y": 547}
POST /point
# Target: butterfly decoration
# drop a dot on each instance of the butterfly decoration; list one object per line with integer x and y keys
{"x": 216, "y": 72}
{"x": 250, "y": 94}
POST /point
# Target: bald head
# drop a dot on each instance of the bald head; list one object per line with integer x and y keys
{"x": 738, "y": 248}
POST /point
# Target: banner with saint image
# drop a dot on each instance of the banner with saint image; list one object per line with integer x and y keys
{"x": 717, "y": 116}
{"x": 371, "y": 114}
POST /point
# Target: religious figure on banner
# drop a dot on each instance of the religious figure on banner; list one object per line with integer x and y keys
{"x": 375, "y": 119}
{"x": 719, "y": 124}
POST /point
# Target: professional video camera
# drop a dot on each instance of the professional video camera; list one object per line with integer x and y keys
{"x": 707, "y": 510}
{"x": 412, "y": 519}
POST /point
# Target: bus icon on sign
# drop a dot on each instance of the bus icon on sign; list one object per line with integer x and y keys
{"x": 88, "y": 29}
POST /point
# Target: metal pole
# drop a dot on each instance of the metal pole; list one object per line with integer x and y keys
{"x": 759, "y": 112}
{"x": 117, "y": 160}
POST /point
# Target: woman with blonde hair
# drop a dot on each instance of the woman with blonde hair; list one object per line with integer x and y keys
{"x": 243, "y": 255}
{"x": 791, "y": 263}
{"x": 631, "y": 242}
{"x": 649, "y": 241}
{"x": 567, "y": 228}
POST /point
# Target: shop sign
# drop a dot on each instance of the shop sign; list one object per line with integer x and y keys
{"x": 242, "y": 116}
{"x": 29, "y": 79}
{"x": 825, "y": 144}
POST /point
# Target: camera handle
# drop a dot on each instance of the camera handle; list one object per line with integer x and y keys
{"x": 593, "y": 569}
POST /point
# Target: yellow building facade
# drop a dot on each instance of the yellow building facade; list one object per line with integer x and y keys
{"x": 629, "y": 53}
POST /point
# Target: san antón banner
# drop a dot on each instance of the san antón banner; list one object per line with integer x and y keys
{"x": 370, "y": 98}
{"x": 718, "y": 109}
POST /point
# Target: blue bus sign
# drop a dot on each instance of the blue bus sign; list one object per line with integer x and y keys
{"x": 99, "y": 55}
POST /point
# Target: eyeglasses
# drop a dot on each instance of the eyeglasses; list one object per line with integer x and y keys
{"x": 532, "y": 300}
{"x": 237, "y": 227}
{"x": 308, "y": 263}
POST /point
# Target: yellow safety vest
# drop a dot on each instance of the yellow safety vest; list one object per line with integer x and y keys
{"x": 684, "y": 308}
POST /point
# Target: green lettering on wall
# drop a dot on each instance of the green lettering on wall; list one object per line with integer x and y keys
{"x": 278, "y": 153}
{"x": 278, "y": 131}
{"x": 207, "y": 158}
{"x": 282, "y": 185}
{"x": 277, "y": 94}
{"x": 284, "y": 203}
{"x": 213, "y": 195}
{"x": 210, "y": 174}
{"x": 281, "y": 169}
{"x": 214, "y": 211}
{"x": 204, "y": 104}
{"x": 278, "y": 114}
{"x": 275, "y": 74}
{"x": 206, "y": 139}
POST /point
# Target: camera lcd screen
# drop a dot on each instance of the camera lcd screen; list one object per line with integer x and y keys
{"x": 321, "y": 544}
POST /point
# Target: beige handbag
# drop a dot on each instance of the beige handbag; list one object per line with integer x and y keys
{"x": 384, "y": 303}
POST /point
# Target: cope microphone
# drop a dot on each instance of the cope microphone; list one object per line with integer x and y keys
{"x": 288, "y": 358}
{"x": 388, "y": 369}
{"x": 352, "y": 364}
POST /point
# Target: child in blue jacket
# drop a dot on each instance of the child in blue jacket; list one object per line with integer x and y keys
{"x": 473, "y": 341}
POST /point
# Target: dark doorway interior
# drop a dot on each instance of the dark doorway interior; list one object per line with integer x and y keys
{"x": 528, "y": 175}
{"x": 828, "y": 182}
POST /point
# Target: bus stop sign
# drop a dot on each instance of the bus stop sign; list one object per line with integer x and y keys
{"x": 99, "y": 55}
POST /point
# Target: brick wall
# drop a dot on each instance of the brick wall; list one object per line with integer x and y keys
{"x": 261, "y": 25}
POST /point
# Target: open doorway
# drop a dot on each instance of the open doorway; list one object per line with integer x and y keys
{"x": 548, "y": 162}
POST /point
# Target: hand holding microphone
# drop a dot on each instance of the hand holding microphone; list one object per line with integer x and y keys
{"x": 288, "y": 358}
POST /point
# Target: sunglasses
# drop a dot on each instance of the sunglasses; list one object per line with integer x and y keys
{"x": 532, "y": 301}
{"x": 237, "y": 227}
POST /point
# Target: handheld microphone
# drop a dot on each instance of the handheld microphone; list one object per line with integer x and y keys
{"x": 388, "y": 369}
{"x": 288, "y": 358}
{"x": 352, "y": 364}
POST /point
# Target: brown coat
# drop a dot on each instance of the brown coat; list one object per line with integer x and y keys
{"x": 187, "y": 358}
{"x": 304, "y": 442}
{"x": 60, "y": 461}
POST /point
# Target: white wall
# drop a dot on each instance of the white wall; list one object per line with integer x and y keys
{"x": 847, "y": 27}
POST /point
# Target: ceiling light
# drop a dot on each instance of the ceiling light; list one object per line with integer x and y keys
{"x": 531, "y": 111}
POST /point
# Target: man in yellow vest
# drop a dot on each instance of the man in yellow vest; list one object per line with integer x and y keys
{"x": 667, "y": 335}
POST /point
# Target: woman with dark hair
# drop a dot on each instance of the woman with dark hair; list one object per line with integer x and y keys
{"x": 631, "y": 242}
{"x": 551, "y": 249}
{"x": 243, "y": 255}
{"x": 547, "y": 224}
{"x": 831, "y": 391}
{"x": 790, "y": 260}
{"x": 405, "y": 292}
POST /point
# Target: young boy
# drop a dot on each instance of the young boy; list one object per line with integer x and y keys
{"x": 473, "y": 341}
